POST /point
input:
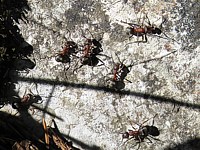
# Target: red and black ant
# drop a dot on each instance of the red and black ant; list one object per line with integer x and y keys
{"x": 144, "y": 132}
{"x": 69, "y": 49}
{"x": 120, "y": 71}
{"x": 142, "y": 30}
{"x": 26, "y": 100}
{"x": 91, "y": 48}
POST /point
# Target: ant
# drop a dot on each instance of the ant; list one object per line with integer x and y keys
{"x": 68, "y": 50}
{"x": 120, "y": 71}
{"x": 26, "y": 100}
{"x": 142, "y": 30}
{"x": 144, "y": 132}
{"x": 91, "y": 48}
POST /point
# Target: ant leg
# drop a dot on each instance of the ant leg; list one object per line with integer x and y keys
{"x": 65, "y": 69}
{"x": 76, "y": 65}
{"x": 75, "y": 56}
{"x": 145, "y": 36}
{"x": 148, "y": 20}
{"x": 78, "y": 68}
{"x": 143, "y": 21}
{"x": 104, "y": 55}
{"x": 83, "y": 34}
{"x": 154, "y": 138}
{"x": 150, "y": 141}
{"x": 130, "y": 36}
{"x": 100, "y": 39}
{"x": 128, "y": 139}
{"x": 102, "y": 63}
{"x": 169, "y": 38}
{"x": 138, "y": 39}
{"x": 25, "y": 92}
{"x": 29, "y": 89}
{"x": 128, "y": 80}
{"x": 138, "y": 145}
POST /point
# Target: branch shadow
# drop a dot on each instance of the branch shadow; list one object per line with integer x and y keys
{"x": 190, "y": 144}
{"x": 157, "y": 98}
{"x": 81, "y": 144}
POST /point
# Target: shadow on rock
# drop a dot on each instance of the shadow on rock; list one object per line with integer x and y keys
{"x": 191, "y": 144}
{"x": 14, "y": 50}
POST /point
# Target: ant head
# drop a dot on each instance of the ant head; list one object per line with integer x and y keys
{"x": 125, "y": 135}
{"x": 157, "y": 31}
{"x": 129, "y": 30}
{"x": 71, "y": 44}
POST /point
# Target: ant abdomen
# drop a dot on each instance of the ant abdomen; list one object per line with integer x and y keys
{"x": 62, "y": 58}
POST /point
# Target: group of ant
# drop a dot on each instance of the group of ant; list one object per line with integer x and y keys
{"x": 89, "y": 52}
{"x": 92, "y": 48}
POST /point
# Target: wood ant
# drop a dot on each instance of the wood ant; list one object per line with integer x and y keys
{"x": 68, "y": 50}
{"x": 120, "y": 71}
{"x": 91, "y": 48}
{"x": 142, "y": 30}
{"x": 26, "y": 101}
{"x": 143, "y": 132}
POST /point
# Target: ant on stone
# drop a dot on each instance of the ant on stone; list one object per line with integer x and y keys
{"x": 27, "y": 99}
{"x": 120, "y": 71}
{"x": 90, "y": 49}
{"x": 142, "y": 133}
{"x": 143, "y": 30}
{"x": 69, "y": 49}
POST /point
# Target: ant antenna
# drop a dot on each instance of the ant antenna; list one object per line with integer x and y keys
{"x": 153, "y": 119}
{"x": 171, "y": 38}
{"x": 90, "y": 33}
{"x": 131, "y": 123}
{"x": 68, "y": 31}
{"x": 118, "y": 58}
{"x": 149, "y": 119}
{"x": 164, "y": 20}
{"x": 148, "y": 20}
{"x": 83, "y": 34}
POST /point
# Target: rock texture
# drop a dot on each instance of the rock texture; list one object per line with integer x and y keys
{"x": 164, "y": 74}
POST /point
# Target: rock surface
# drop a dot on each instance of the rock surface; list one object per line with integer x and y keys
{"x": 164, "y": 77}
